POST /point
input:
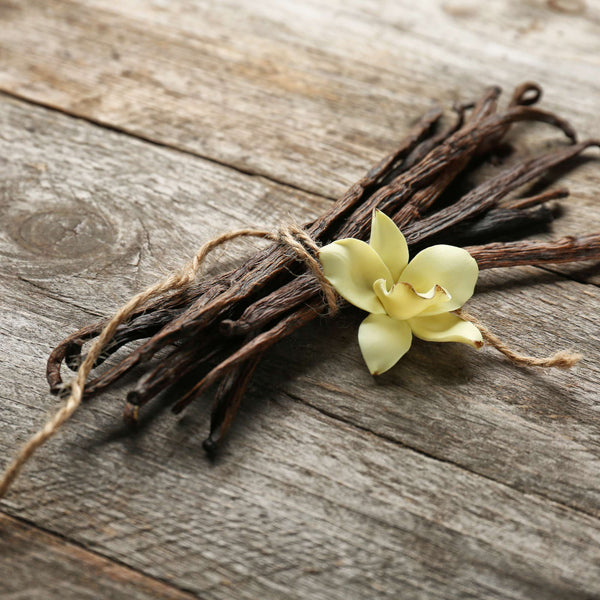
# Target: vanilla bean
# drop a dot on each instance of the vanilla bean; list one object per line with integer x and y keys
{"x": 159, "y": 312}
{"x": 271, "y": 306}
{"x": 179, "y": 363}
{"x": 495, "y": 224}
{"x": 146, "y": 325}
{"x": 541, "y": 198}
{"x": 526, "y": 94}
{"x": 227, "y": 401}
{"x": 219, "y": 328}
{"x": 450, "y": 154}
{"x": 257, "y": 345}
{"x": 514, "y": 254}
{"x": 487, "y": 195}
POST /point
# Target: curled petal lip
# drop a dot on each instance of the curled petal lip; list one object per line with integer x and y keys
{"x": 451, "y": 267}
{"x": 402, "y": 301}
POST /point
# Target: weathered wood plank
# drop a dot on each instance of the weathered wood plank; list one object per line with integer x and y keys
{"x": 73, "y": 204}
{"x": 184, "y": 77}
{"x": 535, "y": 430}
{"x": 303, "y": 93}
{"x": 299, "y": 504}
{"x": 38, "y": 565}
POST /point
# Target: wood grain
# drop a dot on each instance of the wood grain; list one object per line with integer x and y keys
{"x": 296, "y": 91}
{"x": 284, "y": 89}
{"x": 456, "y": 476}
{"x": 71, "y": 206}
{"x": 535, "y": 430}
{"x": 39, "y": 565}
{"x": 298, "y": 506}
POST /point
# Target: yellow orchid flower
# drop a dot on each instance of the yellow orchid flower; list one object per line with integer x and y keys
{"x": 404, "y": 298}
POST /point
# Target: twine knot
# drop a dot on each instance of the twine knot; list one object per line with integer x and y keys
{"x": 300, "y": 242}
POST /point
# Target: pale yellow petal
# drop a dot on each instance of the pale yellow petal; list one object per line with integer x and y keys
{"x": 403, "y": 302}
{"x": 446, "y": 327}
{"x": 352, "y": 266}
{"x": 383, "y": 342}
{"x": 452, "y": 268}
{"x": 388, "y": 241}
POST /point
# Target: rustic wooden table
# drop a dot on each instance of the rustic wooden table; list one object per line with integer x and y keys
{"x": 132, "y": 131}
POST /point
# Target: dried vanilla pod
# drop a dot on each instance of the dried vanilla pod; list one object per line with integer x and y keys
{"x": 219, "y": 329}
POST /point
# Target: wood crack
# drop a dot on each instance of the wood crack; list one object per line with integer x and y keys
{"x": 387, "y": 438}
{"x": 48, "y": 294}
{"x": 99, "y": 561}
{"x": 158, "y": 143}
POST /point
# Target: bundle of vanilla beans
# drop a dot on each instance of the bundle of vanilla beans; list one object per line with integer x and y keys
{"x": 218, "y": 329}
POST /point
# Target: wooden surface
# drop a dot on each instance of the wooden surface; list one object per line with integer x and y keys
{"x": 131, "y": 132}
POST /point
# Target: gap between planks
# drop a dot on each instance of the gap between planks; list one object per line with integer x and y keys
{"x": 339, "y": 419}
{"x": 155, "y": 142}
{"x": 382, "y": 436}
{"x": 94, "y": 560}
{"x": 184, "y": 151}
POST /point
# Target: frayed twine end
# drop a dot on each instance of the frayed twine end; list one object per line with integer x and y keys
{"x": 563, "y": 359}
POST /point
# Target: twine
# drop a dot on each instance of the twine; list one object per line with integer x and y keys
{"x": 563, "y": 359}
{"x": 305, "y": 248}
{"x": 290, "y": 235}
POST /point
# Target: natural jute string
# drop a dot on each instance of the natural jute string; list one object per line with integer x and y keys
{"x": 563, "y": 359}
{"x": 291, "y": 235}
{"x": 305, "y": 248}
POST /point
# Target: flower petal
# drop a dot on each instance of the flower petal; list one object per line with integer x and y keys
{"x": 383, "y": 341}
{"x": 387, "y": 240}
{"x": 446, "y": 327}
{"x": 403, "y": 302}
{"x": 448, "y": 266}
{"x": 352, "y": 266}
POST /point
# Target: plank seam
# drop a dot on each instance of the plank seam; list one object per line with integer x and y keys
{"x": 421, "y": 452}
{"x": 191, "y": 595}
{"x": 237, "y": 169}
{"x": 154, "y": 142}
